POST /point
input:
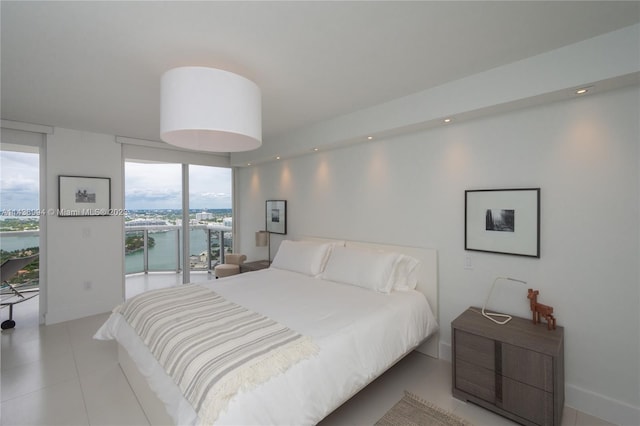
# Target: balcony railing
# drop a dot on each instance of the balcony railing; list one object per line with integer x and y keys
{"x": 166, "y": 255}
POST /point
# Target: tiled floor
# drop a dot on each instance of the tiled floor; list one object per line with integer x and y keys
{"x": 59, "y": 375}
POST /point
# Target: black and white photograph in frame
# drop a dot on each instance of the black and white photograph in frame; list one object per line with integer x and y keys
{"x": 83, "y": 196}
{"x": 503, "y": 221}
{"x": 276, "y": 216}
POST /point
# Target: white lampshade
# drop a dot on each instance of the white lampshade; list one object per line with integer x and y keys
{"x": 208, "y": 109}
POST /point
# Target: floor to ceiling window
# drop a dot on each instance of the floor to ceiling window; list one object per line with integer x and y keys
{"x": 210, "y": 215}
{"x": 20, "y": 218}
{"x": 153, "y": 200}
{"x": 159, "y": 216}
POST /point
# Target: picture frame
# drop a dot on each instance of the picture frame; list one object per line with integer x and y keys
{"x": 276, "y": 216}
{"x": 84, "y": 196}
{"x": 505, "y": 221}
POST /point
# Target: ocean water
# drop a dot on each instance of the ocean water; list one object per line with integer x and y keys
{"x": 19, "y": 243}
{"x": 162, "y": 257}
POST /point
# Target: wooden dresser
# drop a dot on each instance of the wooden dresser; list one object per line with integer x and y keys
{"x": 515, "y": 370}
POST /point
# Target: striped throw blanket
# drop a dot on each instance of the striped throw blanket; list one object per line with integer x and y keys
{"x": 212, "y": 348}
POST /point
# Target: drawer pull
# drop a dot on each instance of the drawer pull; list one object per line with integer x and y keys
{"x": 498, "y": 370}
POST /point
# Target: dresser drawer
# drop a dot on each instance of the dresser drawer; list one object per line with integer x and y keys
{"x": 475, "y": 349}
{"x": 527, "y": 402}
{"x": 515, "y": 369}
{"x": 475, "y": 380}
{"x": 527, "y": 366}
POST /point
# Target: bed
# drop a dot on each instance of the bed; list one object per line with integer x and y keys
{"x": 350, "y": 310}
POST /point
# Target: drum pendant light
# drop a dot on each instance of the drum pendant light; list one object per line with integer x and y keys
{"x": 208, "y": 109}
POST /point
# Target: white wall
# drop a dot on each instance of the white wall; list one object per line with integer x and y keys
{"x": 584, "y": 155}
{"x": 84, "y": 254}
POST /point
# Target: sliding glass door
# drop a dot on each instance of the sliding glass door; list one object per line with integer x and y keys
{"x": 20, "y": 225}
{"x": 159, "y": 217}
{"x": 211, "y": 217}
{"x": 153, "y": 201}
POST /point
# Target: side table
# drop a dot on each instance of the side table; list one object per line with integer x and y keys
{"x": 516, "y": 369}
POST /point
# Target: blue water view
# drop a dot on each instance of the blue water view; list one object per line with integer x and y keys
{"x": 19, "y": 243}
{"x": 162, "y": 257}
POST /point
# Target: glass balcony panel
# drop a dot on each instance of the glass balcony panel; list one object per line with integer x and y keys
{"x": 163, "y": 249}
{"x": 164, "y": 246}
{"x": 134, "y": 252}
{"x": 198, "y": 239}
{"x": 21, "y": 244}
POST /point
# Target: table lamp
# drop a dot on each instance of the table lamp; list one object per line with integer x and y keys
{"x": 263, "y": 240}
{"x": 492, "y": 315}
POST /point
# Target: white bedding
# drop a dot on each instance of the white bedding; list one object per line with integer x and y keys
{"x": 360, "y": 333}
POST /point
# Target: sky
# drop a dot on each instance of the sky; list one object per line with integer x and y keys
{"x": 18, "y": 180}
{"x": 147, "y": 185}
{"x": 158, "y": 186}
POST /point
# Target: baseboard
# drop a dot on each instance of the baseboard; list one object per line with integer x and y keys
{"x": 611, "y": 410}
{"x": 445, "y": 351}
{"x": 63, "y": 315}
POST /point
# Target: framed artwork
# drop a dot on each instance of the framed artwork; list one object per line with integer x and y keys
{"x": 503, "y": 221}
{"x": 84, "y": 196}
{"x": 276, "y": 216}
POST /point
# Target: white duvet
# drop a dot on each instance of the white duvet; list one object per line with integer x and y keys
{"x": 360, "y": 334}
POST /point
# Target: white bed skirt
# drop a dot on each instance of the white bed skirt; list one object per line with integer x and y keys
{"x": 153, "y": 408}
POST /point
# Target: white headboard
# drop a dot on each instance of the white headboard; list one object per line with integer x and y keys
{"x": 427, "y": 278}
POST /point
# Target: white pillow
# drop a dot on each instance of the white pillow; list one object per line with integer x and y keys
{"x": 361, "y": 267}
{"x": 305, "y": 257}
{"x": 405, "y": 273}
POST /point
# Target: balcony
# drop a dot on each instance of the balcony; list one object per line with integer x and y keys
{"x": 147, "y": 268}
{"x": 158, "y": 248}
{"x": 155, "y": 259}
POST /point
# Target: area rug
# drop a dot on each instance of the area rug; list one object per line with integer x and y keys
{"x": 411, "y": 410}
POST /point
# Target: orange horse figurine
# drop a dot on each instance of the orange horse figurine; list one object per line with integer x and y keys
{"x": 539, "y": 309}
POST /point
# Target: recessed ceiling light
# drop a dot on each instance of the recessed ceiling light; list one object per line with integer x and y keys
{"x": 315, "y": 149}
{"x": 248, "y": 164}
{"x": 369, "y": 137}
{"x": 447, "y": 120}
{"x": 582, "y": 90}
{"x": 278, "y": 157}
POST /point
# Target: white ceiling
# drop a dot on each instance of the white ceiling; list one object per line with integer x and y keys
{"x": 96, "y": 66}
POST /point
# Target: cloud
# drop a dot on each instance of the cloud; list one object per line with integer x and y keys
{"x": 210, "y": 195}
{"x": 19, "y": 185}
{"x": 150, "y": 198}
{"x": 153, "y": 194}
{"x": 158, "y": 186}
{"x": 17, "y": 159}
{"x": 147, "y": 185}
